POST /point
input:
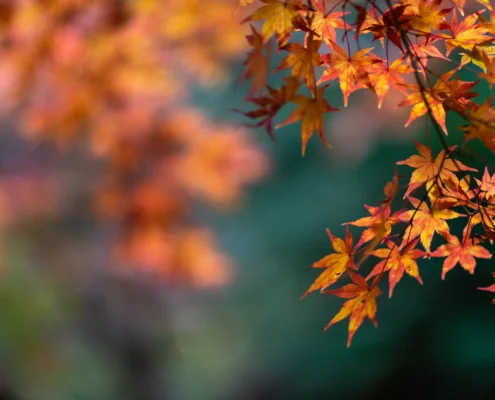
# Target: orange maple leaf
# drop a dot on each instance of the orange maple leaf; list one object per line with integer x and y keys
{"x": 278, "y": 17}
{"x": 475, "y": 56}
{"x": 489, "y": 67}
{"x": 379, "y": 224}
{"x": 310, "y": 111}
{"x": 463, "y": 253}
{"x": 383, "y": 76}
{"x": 459, "y": 4}
{"x": 303, "y": 60}
{"x": 396, "y": 261}
{"x": 388, "y": 25}
{"x": 270, "y": 104}
{"x": 427, "y": 221}
{"x": 457, "y": 191}
{"x": 427, "y": 169}
{"x": 490, "y": 25}
{"x": 256, "y": 63}
{"x": 324, "y": 23}
{"x": 466, "y": 34}
{"x": 489, "y": 288}
{"x": 423, "y": 52}
{"x": 486, "y": 187}
{"x": 482, "y": 124}
{"x": 362, "y": 304}
{"x": 351, "y": 71}
{"x": 426, "y": 15}
{"x": 335, "y": 264}
{"x": 424, "y": 100}
{"x": 390, "y": 189}
{"x": 445, "y": 95}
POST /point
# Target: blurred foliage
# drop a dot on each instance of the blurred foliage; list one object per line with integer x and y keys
{"x": 255, "y": 339}
{"x": 72, "y": 329}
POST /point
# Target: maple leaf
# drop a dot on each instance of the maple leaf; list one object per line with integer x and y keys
{"x": 428, "y": 169}
{"x": 396, "y": 261}
{"x": 484, "y": 214}
{"x": 422, "y": 52}
{"x": 303, "y": 60}
{"x": 362, "y": 304}
{"x": 466, "y": 34}
{"x": 475, "y": 56}
{"x": 335, "y": 264}
{"x": 456, "y": 95}
{"x": 390, "y": 189}
{"x": 463, "y": 253}
{"x": 310, "y": 111}
{"x": 324, "y": 23}
{"x": 444, "y": 95}
{"x": 270, "y": 105}
{"x": 424, "y": 100}
{"x": 457, "y": 191}
{"x": 361, "y": 14}
{"x": 426, "y": 221}
{"x": 371, "y": 18}
{"x": 490, "y": 25}
{"x": 256, "y": 63}
{"x": 388, "y": 25}
{"x": 278, "y": 17}
{"x": 426, "y": 15}
{"x": 384, "y": 76}
{"x": 379, "y": 224}
{"x": 489, "y": 288}
{"x": 459, "y": 4}
{"x": 482, "y": 125}
{"x": 489, "y": 68}
{"x": 351, "y": 71}
{"x": 486, "y": 187}
{"x": 486, "y": 3}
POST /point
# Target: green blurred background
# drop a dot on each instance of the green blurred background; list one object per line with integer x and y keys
{"x": 116, "y": 338}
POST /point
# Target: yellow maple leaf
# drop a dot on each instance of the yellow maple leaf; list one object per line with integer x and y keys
{"x": 465, "y": 34}
{"x": 427, "y": 168}
{"x": 310, "y": 111}
{"x": 384, "y": 76}
{"x": 489, "y": 68}
{"x": 351, "y": 71}
{"x": 278, "y": 17}
{"x": 362, "y": 304}
{"x": 482, "y": 125}
{"x": 425, "y": 221}
{"x": 462, "y": 253}
{"x": 475, "y": 56}
{"x": 303, "y": 60}
{"x": 396, "y": 261}
{"x": 335, "y": 264}
{"x": 324, "y": 23}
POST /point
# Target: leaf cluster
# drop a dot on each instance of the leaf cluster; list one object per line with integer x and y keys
{"x": 410, "y": 37}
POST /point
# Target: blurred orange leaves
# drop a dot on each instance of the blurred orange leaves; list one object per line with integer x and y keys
{"x": 119, "y": 74}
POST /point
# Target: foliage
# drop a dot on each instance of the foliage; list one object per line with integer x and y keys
{"x": 119, "y": 74}
{"x": 411, "y": 36}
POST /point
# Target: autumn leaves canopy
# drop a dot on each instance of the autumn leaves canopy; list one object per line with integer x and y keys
{"x": 328, "y": 43}
{"x": 409, "y": 33}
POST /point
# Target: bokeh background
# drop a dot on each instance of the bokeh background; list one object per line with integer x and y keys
{"x": 75, "y": 325}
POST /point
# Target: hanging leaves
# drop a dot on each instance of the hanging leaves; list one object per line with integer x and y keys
{"x": 310, "y": 111}
{"x": 362, "y": 304}
{"x": 408, "y": 35}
